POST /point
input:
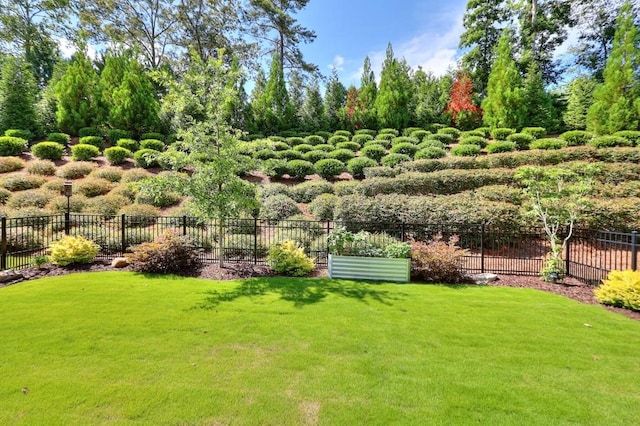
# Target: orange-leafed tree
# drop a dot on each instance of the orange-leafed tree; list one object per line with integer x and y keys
{"x": 465, "y": 115}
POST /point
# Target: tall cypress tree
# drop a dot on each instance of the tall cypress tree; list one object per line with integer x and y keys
{"x": 396, "y": 90}
{"x": 17, "y": 96}
{"x": 367, "y": 96}
{"x": 504, "y": 105}
{"x": 258, "y": 108}
{"x": 540, "y": 111}
{"x": 278, "y": 109}
{"x": 617, "y": 101}
{"x": 580, "y": 99}
{"x": 313, "y": 118}
{"x": 334, "y": 99}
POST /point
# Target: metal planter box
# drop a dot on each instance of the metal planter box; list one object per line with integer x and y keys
{"x": 369, "y": 268}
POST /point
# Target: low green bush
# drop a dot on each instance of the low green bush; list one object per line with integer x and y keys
{"x": 609, "y": 142}
{"x": 274, "y": 168}
{"x": 134, "y": 175}
{"x": 473, "y": 140}
{"x": 106, "y": 205}
{"x": 374, "y": 152}
{"x": 486, "y": 131}
{"x": 393, "y": 159}
{"x": 4, "y": 195}
{"x": 314, "y": 140}
{"x": 92, "y": 186}
{"x": 620, "y": 289}
{"x": 146, "y": 158}
{"x": 155, "y": 144}
{"x": 521, "y": 140}
{"x": 306, "y": 192}
{"x": 11, "y": 147}
{"x": 117, "y": 155}
{"x": 84, "y": 152}
{"x": 294, "y": 140}
{"x": 169, "y": 253}
{"x": 361, "y": 138}
{"x": 325, "y": 147}
{"x": 430, "y": 152}
{"x": 315, "y": 156}
{"x": 325, "y": 135}
{"x": 161, "y": 199}
{"x": 73, "y": 250}
{"x": 281, "y": 146}
{"x": 139, "y": 215}
{"x": 445, "y": 138}
{"x": 130, "y": 144}
{"x": 501, "y": 133}
{"x": 501, "y": 146}
{"x": 381, "y": 171}
{"x": 89, "y": 131}
{"x": 455, "y": 133}
{"x": 576, "y": 137}
{"x": 386, "y": 137}
{"x": 270, "y": 189}
{"x": 19, "y": 133}
{"x": 288, "y": 258}
{"x": 278, "y": 207}
{"x": 153, "y": 135}
{"x": 431, "y": 143}
{"x": 547, "y": 143}
{"x": 11, "y": 164}
{"x": 30, "y": 198}
{"x": 357, "y": 165}
{"x": 114, "y": 135}
{"x": 342, "y": 155}
{"x": 298, "y": 169}
{"x": 344, "y": 133}
{"x": 351, "y": 146}
{"x": 346, "y": 187}
{"x": 369, "y": 132}
{"x": 62, "y": 138}
{"x": 264, "y": 154}
{"x": 475, "y": 132}
{"x": 48, "y": 150}
{"x": 419, "y": 134}
{"x": 96, "y": 141}
{"x": 465, "y": 151}
{"x": 630, "y": 135}
{"x": 404, "y": 148}
{"x": 304, "y": 147}
{"x": 321, "y": 208}
{"x": 41, "y": 167}
{"x": 330, "y": 167}
{"x": 58, "y": 203}
{"x": 535, "y": 132}
{"x": 404, "y": 139}
{"x": 388, "y": 131}
{"x": 379, "y": 142}
{"x": 289, "y": 155}
{"x": 335, "y": 139}
{"x": 22, "y": 181}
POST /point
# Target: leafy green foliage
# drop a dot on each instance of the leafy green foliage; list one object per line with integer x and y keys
{"x": 501, "y": 146}
{"x": 536, "y": 132}
{"x": 114, "y": 135}
{"x": 473, "y": 140}
{"x": 469, "y": 150}
{"x": 48, "y": 150}
{"x": 298, "y": 169}
{"x": 580, "y": 98}
{"x": 430, "y": 152}
{"x": 288, "y": 258}
{"x": 521, "y": 140}
{"x": 11, "y": 146}
{"x": 146, "y": 158}
{"x": 154, "y": 144}
{"x": 117, "y": 154}
{"x": 437, "y": 260}
{"x": 375, "y": 152}
{"x": 330, "y": 167}
{"x": 322, "y": 206}
{"x": 18, "y": 91}
{"x": 129, "y": 144}
{"x": 72, "y": 250}
{"x": 277, "y": 207}
{"x": 393, "y": 159}
{"x": 62, "y": 138}
{"x": 169, "y": 253}
{"x": 84, "y": 152}
{"x": 395, "y": 93}
{"x": 547, "y": 143}
{"x": 308, "y": 191}
{"x": 609, "y": 141}
{"x": 76, "y": 170}
{"x": 357, "y": 165}
{"x": 621, "y": 289}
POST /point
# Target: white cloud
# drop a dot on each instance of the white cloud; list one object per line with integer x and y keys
{"x": 338, "y": 63}
{"x": 68, "y": 48}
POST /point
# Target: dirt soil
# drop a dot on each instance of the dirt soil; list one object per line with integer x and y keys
{"x": 569, "y": 288}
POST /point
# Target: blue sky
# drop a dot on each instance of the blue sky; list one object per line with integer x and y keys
{"x": 423, "y": 32}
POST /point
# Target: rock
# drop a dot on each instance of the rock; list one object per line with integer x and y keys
{"x": 120, "y": 262}
{"x": 9, "y": 275}
{"x": 484, "y": 278}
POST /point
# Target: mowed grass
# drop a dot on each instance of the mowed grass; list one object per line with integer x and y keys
{"x": 125, "y": 348}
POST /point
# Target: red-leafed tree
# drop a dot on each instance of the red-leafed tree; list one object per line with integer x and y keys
{"x": 352, "y": 112}
{"x": 464, "y": 114}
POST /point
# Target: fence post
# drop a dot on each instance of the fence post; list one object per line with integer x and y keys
{"x": 567, "y": 259}
{"x": 3, "y": 249}
{"x": 67, "y": 223}
{"x": 123, "y": 232}
{"x": 255, "y": 240}
{"x": 184, "y": 225}
{"x": 482, "y": 232}
{"x": 403, "y": 230}
{"x": 634, "y": 251}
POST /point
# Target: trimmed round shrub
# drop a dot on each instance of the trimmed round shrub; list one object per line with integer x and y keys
{"x": 153, "y": 135}
{"x": 315, "y": 156}
{"x": 274, "y": 167}
{"x": 431, "y": 152}
{"x": 393, "y": 159}
{"x": 346, "y": 187}
{"x": 455, "y": 133}
{"x": 369, "y": 132}
{"x": 304, "y": 147}
{"x": 298, "y": 169}
{"x": 89, "y": 131}
{"x": 114, "y": 135}
{"x": 106, "y": 205}
{"x": 11, "y": 147}
{"x": 357, "y": 165}
{"x": 96, "y": 141}
{"x": 470, "y": 150}
{"x": 445, "y": 138}
{"x": 48, "y": 150}
{"x": 501, "y": 146}
{"x": 155, "y": 144}
{"x": 419, "y": 134}
{"x": 84, "y": 152}
{"x": 294, "y": 140}
{"x": 270, "y": 189}
{"x": 475, "y": 132}
{"x": 630, "y": 135}
{"x": 522, "y": 140}
{"x": 11, "y": 164}
{"x": 404, "y": 148}
{"x": 576, "y": 137}
{"x": 19, "y": 133}
{"x": 343, "y": 155}
{"x": 278, "y": 139}
{"x": 288, "y": 258}
{"x": 547, "y": 143}
{"x": 145, "y": 158}
{"x": 325, "y": 135}
{"x": 76, "y": 170}
{"x": 58, "y": 204}
{"x": 140, "y": 215}
{"x": 41, "y": 167}
{"x": 130, "y": 144}
{"x": 278, "y": 207}
{"x": 4, "y": 195}
{"x": 536, "y": 132}
{"x": 330, "y": 167}
{"x": 404, "y": 139}
{"x": 333, "y": 140}
{"x": 321, "y": 208}
{"x": 30, "y": 198}
{"x": 344, "y": 133}
{"x": 351, "y": 146}
{"x": 388, "y": 131}
{"x": 431, "y": 143}
{"x": 473, "y": 140}
{"x": 71, "y": 250}
{"x": 92, "y": 187}
{"x": 375, "y": 152}
{"x": 380, "y": 142}
{"x": 434, "y": 127}
{"x": 361, "y": 138}
{"x": 22, "y": 181}
{"x": 112, "y": 174}
{"x": 169, "y": 253}
{"x": 314, "y": 140}
{"x": 289, "y": 155}
{"x": 117, "y": 154}
{"x": 609, "y": 142}
{"x": 324, "y": 147}
{"x": 62, "y": 138}
{"x": 386, "y": 136}
{"x": 264, "y": 154}
{"x": 486, "y": 131}
{"x": 134, "y": 175}
{"x": 55, "y": 185}
{"x": 161, "y": 200}
{"x": 501, "y": 133}
{"x": 308, "y": 191}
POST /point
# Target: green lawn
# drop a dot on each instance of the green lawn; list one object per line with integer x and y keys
{"x": 124, "y": 348}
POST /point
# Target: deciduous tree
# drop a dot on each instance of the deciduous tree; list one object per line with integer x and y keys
{"x": 464, "y": 114}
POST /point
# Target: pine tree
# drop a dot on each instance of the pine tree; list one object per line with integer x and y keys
{"x": 431, "y": 97}
{"x": 78, "y": 96}
{"x": 258, "y": 108}
{"x": 296, "y": 97}
{"x": 17, "y": 96}
{"x": 367, "y": 96}
{"x": 616, "y": 103}
{"x": 275, "y": 99}
{"x": 111, "y": 76}
{"x": 313, "y": 118}
{"x": 396, "y": 90}
{"x": 580, "y": 99}
{"x": 540, "y": 111}
{"x": 334, "y": 99}
{"x": 504, "y": 105}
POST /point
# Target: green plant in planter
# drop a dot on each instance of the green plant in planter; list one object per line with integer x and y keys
{"x": 341, "y": 242}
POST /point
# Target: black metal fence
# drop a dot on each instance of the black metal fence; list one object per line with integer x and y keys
{"x": 590, "y": 255}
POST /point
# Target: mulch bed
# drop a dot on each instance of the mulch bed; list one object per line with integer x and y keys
{"x": 570, "y": 288}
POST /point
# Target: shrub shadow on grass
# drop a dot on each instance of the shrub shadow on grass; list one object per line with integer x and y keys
{"x": 300, "y": 291}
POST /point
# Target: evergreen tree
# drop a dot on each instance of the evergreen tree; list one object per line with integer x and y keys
{"x": 111, "y": 76}
{"x": 237, "y": 108}
{"x": 78, "y": 96}
{"x": 367, "y": 96}
{"x": 47, "y": 106}
{"x": 431, "y": 97}
{"x": 134, "y": 105}
{"x": 17, "y": 96}
{"x": 334, "y": 99}
{"x": 505, "y": 104}
{"x": 296, "y": 97}
{"x": 275, "y": 100}
{"x": 313, "y": 118}
{"x": 580, "y": 99}
{"x": 395, "y": 94}
{"x": 540, "y": 111}
{"x": 258, "y": 108}
{"x": 616, "y": 103}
